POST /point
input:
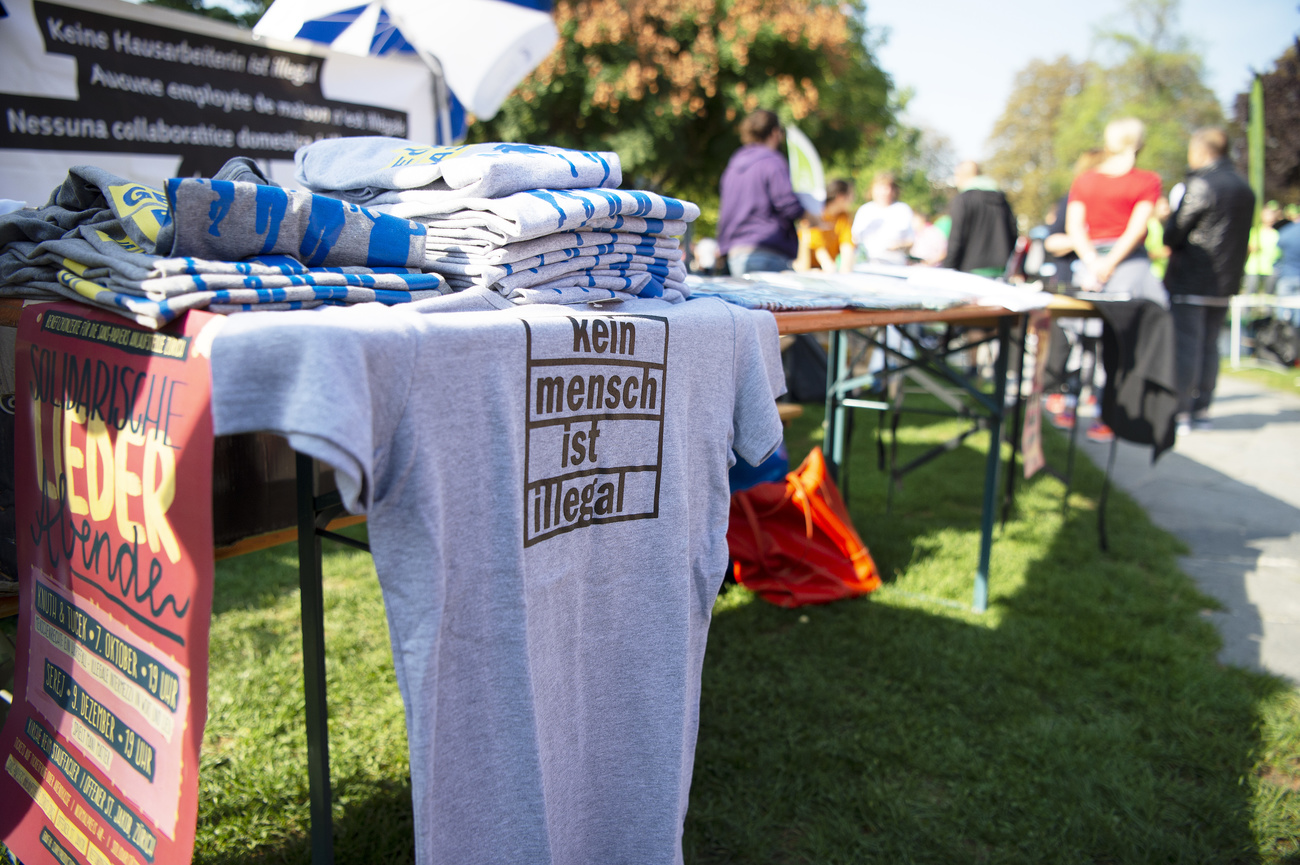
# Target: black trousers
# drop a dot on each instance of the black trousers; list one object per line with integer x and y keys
{"x": 1196, "y": 353}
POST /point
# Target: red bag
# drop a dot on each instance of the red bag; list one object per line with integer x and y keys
{"x": 793, "y": 543}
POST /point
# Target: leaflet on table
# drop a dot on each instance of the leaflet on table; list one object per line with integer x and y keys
{"x": 113, "y": 477}
{"x": 1031, "y": 438}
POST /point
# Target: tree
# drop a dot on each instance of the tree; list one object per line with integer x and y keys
{"x": 250, "y": 13}
{"x": 1024, "y": 138}
{"x": 665, "y": 82}
{"x": 1281, "y": 127}
{"x": 1158, "y": 78}
{"x": 1152, "y": 74}
{"x": 922, "y": 160}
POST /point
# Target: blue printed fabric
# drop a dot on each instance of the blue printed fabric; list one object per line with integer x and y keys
{"x": 626, "y": 283}
{"x": 99, "y": 237}
{"x": 567, "y": 294}
{"x": 565, "y": 243}
{"x": 764, "y": 291}
{"x": 444, "y": 236}
{"x": 541, "y": 275}
{"x": 533, "y": 223}
{"x": 874, "y": 287}
{"x": 539, "y": 212}
{"x": 462, "y": 241}
{"x": 360, "y": 169}
{"x": 173, "y": 286}
{"x": 543, "y": 269}
{"x": 229, "y": 220}
{"x": 156, "y": 313}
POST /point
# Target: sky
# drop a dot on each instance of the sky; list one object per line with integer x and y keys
{"x": 961, "y": 64}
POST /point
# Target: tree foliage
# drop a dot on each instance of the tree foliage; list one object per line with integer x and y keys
{"x": 1152, "y": 74}
{"x": 665, "y": 82}
{"x": 1281, "y": 127}
{"x": 250, "y": 11}
{"x": 1024, "y": 137}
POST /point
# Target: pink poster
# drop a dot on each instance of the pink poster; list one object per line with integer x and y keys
{"x": 113, "y": 475}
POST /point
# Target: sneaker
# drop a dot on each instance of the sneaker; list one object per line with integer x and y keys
{"x": 1064, "y": 420}
{"x": 1099, "y": 432}
{"x": 1054, "y": 403}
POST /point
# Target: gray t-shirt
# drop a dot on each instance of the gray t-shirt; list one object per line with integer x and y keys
{"x": 360, "y": 168}
{"x": 548, "y": 503}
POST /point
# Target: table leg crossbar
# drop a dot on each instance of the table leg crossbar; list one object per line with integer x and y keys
{"x": 840, "y": 384}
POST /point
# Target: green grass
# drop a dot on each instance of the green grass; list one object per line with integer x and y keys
{"x": 1084, "y": 718}
{"x": 253, "y": 798}
{"x": 1272, "y": 376}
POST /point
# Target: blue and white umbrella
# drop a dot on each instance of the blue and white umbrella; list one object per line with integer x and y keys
{"x": 480, "y": 48}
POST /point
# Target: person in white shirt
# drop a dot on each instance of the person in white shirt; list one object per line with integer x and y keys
{"x": 882, "y": 228}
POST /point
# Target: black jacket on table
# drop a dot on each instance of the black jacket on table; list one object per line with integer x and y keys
{"x": 983, "y": 231}
{"x": 1140, "y": 399}
{"x": 1209, "y": 232}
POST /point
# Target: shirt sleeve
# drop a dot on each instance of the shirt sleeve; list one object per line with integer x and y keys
{"x": 859, "y": 226}
{"x": 759, "y": 380}
{"x": 1150, "y": 187}
{"x": 781, "y": 193}
{"x": 1081, "y": 188}
{"x": 843, "y": 230}
{"x": 906, "y": 234}
{"x": 956, "y": 234}
{"x": 1195, "y": 203}
{"x": 333, "y": 382}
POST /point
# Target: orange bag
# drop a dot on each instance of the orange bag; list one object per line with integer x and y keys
{"x": 793, "y": 543}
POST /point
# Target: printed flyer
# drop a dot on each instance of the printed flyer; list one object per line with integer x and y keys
{"x": 113, "y": 475}
{"x": 1031, "y": 437}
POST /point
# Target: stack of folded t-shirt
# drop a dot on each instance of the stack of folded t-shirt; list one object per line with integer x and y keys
{"x": 536, "y": 224}
{"x": 225, "y": 245}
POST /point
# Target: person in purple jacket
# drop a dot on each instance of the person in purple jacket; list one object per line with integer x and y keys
{"x": 757, "y": 214}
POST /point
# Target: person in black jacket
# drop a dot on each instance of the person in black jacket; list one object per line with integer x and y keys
{"x": 1207, "y": 234}
{"x": 983, "y": 232}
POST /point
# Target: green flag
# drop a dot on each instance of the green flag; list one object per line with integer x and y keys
{"x": 1255, "y": 144}
{"x": 806, "y": 175}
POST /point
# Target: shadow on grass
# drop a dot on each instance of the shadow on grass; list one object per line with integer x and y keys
{"x": 1085, "y": 719}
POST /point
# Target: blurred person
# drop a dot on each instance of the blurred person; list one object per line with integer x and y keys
{"x": 758, "y": 208}
{"x": 705, "y": 257}
{"x": 1155, "y": 243}
{"x": 1106, "y": 217}
{"x": 1287, "y": 269}
{"x": 1208, "y": 234}
{"x": 1106, "y": 220}
{"x": 983, "y": 233}
{"x": 931, "y": 244}
{"x": 827, "y": 245}
{"x": 1057, "y": 242}
{"x": 882, "y": 228}
{"x": 1262, "y": 252}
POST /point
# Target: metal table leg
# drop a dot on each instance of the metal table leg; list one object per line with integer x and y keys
{"x": 1022, "y": 348}
{"x": 992, "y": 464}
{"x": 313, "y": 666}
{"x": 836, "y": 372}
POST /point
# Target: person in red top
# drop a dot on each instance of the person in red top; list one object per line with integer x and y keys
{"x": 1106, "y": 222}
{"x": 1106, "y": 219}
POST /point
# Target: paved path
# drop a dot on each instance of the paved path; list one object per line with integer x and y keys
{"x": 1232, "y": 493}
